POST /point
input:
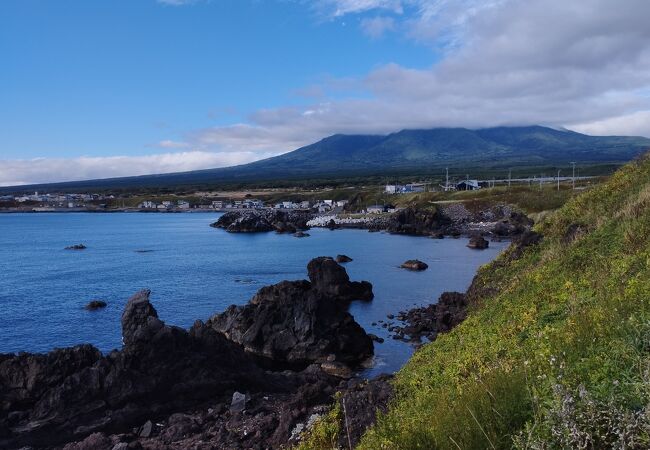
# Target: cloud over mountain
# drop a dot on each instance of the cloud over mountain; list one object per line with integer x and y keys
{"x": 583, "y": 65}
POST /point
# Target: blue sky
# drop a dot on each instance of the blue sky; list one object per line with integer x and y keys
{"x": 100, "y": 77}
{"x": 99, "y": 88}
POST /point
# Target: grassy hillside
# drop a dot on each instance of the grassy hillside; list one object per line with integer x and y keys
{"x": 556, "y": 351}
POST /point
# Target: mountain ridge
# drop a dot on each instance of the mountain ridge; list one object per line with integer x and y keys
{"x": 408, "y": 150}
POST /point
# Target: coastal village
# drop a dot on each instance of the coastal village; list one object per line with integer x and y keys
{"x": 378, "y": 199}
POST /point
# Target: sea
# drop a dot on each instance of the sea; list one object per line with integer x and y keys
{"x": 195, "y": 271}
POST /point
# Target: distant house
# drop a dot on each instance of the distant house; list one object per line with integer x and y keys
{"x": 217, "y": 204}
{"x": 304, "y": 204}
{"x": 341, "y": 203}
{"x": 253, "y": 203}
{"x": 468, "y": 185}
{"x": 376, "y": 209}
{"x": 147, "y": 204}
{"x": 415, "y": 187}
{"x": 404, "y": 189}
{"x": 182, "y": 204}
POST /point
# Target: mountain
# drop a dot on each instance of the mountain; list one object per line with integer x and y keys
{"x": 406, "y": 151}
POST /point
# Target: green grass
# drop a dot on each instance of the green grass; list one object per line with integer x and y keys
{"x": 556, "y": 354}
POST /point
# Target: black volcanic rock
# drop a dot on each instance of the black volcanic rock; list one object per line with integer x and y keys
{"x": 95, "y": 304}
{"x": 331, "y": 279}
{"x": 415, "y": 265}
{"x": 412, "y": 221}
{"x": 478, "y": 242}
{"x": 71, "y": 393}
{"x": 300, "y": 322}
{"x": 343, "y": 259}
{"x": 76, "y": 247}
{"x": 263, "y": 220}
{"x": 430, "y": 320}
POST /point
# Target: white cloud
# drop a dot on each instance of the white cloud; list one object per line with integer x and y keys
{"x": 45, "y": 170}
{"x": 177, "y": 2}
{"x": 582, "y": 64}
{"x": 339, "y": 8}
{"x": 172, "y": 144}
{"x": 375, "y": 27}
{"x": 635, "y": 124}
{"x": 578, "y": 64}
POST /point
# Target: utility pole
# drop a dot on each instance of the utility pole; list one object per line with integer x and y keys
{"x": 509, "y": 177}
{"x": 447, "y": 182}
{"x": 558, "y": 180}
{"x": 573, "y": 177}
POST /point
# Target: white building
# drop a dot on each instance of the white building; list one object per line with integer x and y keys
{"x": 375, "y": 209}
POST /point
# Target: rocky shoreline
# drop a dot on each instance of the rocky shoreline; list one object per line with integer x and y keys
{"x": 205, "y": 387}
{"x": 497, "y": 221}
{"x": 254, "y": 376}
{"x": 426, "y": 322}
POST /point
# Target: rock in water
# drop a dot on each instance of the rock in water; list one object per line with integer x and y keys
{"x": 95, "y": 304}
{"x": 300, "y": 234}
{"x": 478, "y": 242}
{"x": 331, "y": 279}
{"x": 76, "y": 247}
{"x": 296, "y": 323}
{"x": 343, "y": 259}
{"x": 414, "y": 264}
{"x": 262, "y": 220}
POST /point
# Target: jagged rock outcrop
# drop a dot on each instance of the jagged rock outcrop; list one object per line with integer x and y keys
{"x": 71, "y": 393}
{"x": 454, "y": 219}
{"x": 412, "y": 221}
{"x": 296, "y": 323}
{"x": 332, "y": 280}
{"x": 261, "y": 220}
{"x": 168, "y": 385}
{"x": 343, "y": 259}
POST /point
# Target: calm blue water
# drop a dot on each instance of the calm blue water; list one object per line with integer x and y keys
{"x": 194, "y": 271}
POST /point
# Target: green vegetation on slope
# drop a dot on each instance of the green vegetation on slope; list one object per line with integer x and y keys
{"x": 556, "y": 354}
{"x": 344, "y": 159}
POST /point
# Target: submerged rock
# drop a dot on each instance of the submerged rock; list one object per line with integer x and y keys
{"x": 95, "y": 304}
{"x": 76, "y": 247}
{"x": 414, "y": 264}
